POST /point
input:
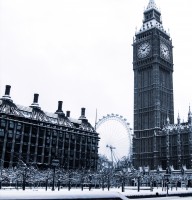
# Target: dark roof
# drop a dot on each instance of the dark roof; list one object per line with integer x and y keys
{"x": 35, "y": 113}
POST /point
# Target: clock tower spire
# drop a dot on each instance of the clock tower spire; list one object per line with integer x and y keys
{"x": 152, "y": 5}
{"x": 152, "y": 16}
{"x": 153, "y": 86}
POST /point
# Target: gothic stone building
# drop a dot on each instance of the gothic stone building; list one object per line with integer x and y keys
{"x": 174, "y": 144}
{"x": 156, "y": 142}
{"x": 34, "y": 136}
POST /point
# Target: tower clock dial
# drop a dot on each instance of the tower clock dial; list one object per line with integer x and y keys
{"x": 143, "y": 50}
{"x": 165, "y": 51}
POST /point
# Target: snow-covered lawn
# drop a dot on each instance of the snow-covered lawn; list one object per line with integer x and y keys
{"x": 78, "y": 194}
{"x": 62, "y": 194}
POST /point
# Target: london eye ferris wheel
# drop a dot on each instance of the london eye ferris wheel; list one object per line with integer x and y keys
{"x": 115, "y": 137}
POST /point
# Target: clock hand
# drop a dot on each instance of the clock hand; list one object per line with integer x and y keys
{"x": 145, "y": 48}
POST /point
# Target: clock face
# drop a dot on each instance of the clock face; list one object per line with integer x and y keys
{"x": 143, "y": 50}
{"x": 165, "y": 51}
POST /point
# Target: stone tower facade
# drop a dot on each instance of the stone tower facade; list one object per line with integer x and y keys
{"x": 153, "y": 86}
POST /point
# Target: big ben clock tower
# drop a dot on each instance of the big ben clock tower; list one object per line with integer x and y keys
{"x": 153, "y": 86}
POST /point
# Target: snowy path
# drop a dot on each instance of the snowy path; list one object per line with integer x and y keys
{"x": 6, "y": 194}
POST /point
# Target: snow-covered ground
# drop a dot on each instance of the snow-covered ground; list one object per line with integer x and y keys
{"x": 62, "y": 194}
{"x": 85, "y": 194}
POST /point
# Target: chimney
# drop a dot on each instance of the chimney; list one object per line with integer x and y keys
{"x": 35, "y": 101}
{"x": 83, "y": 112}
{"x": 68, "y": 113}
{"x": 82, "y": 117}
{"x": 59, "y": 110}
{"x": 7, "y": 93}
{"x": 7, "y": 90}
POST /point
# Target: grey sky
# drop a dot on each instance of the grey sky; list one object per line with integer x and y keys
{"x": 79, "y": 51}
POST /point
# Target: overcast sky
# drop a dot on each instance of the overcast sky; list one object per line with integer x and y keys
{"x": 79, "y": 51}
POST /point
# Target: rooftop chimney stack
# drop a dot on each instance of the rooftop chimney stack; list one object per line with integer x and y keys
{"x": 7, "y": 93}
{"x": 7, "y": 90}
{"x": 83, "y": 112}
{"x": 35, "y": 101}
{"x": 60, "y": 103}
{"x": 82, "y": 117}
{"x": 68, "y": 113}
{"x": 59, "y": 110}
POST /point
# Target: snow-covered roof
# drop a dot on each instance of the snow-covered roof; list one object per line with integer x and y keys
{"x": 76, "y": 121}
{"x": 52, "y": 115}
{"x": 24, "y": 108}
{"x": 35, "y": 113}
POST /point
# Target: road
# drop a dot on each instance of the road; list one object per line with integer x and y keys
{"x": 167, "y": 198}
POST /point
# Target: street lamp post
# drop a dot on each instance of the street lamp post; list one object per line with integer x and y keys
{"x": 1, "y": 173}
{"x": 58, "y": 184}
{"x": 138, "y": 183}
{"x": 24, "y": 178}
{"x": 90, "y": 179}
{"x": 17, "y": 184}
{"x": 53, "y": 184}
{"x": 55, "y": 163}
{"x": 166, "y": 177}
{"x": 151, "y": 184}
{"x": 108, "y": 182}
{"x": 123, "y": 184}
{"x": 69, "y": 181}
{"x": 46, "y": 183}
{"x": 24, "y": 175}
{"x": 103, "y": 184}
{"x": 69, "y": 185}
{"x": 82, "y": 181}
{"x": 123, "y": 174}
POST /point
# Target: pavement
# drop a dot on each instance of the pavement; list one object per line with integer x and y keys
{"x": 130, "y": 192}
